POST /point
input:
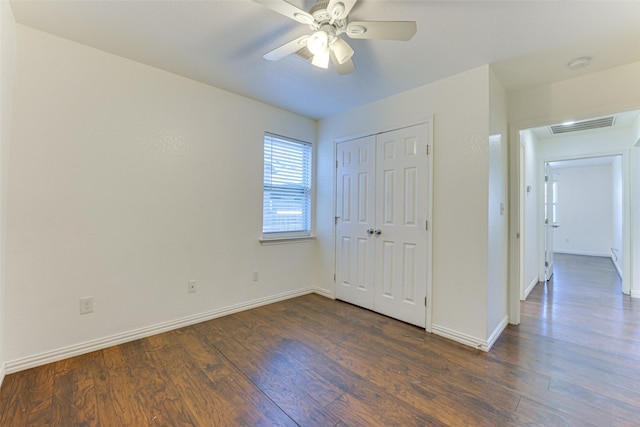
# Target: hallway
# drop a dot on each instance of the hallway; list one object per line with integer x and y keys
{"x": 583, "y": 296}
{"x": 584, "y": 334}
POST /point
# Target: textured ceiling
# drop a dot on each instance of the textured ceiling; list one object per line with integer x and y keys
{"x": 222, "y": 42}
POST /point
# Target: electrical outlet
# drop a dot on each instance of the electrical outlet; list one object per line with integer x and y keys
{"x": 256, "y": 276}
{"x": 86, "y": 305}
{"x": 191, "y": 286}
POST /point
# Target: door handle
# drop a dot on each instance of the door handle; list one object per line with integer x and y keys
{"x": 370, "y": 231}
{"x": 377, "y": 231}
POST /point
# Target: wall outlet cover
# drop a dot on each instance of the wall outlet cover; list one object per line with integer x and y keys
{"x": 191, "y": 286}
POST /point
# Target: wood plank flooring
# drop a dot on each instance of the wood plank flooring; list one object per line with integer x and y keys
{"x": 311, "y": 361}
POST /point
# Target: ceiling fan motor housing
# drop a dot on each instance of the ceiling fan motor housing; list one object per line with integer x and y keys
{"x": 324, "y": 18}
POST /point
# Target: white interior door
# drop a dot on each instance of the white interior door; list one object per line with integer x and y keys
{"x": 381, "y": 235}
{"x": 355, "y": 221}
{"x": 401, "y": 214}
{"x": 549, "y": 223}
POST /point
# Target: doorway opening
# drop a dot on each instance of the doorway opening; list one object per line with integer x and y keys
{"x": 542, "y": 152}
{"x": 585, "y": 209}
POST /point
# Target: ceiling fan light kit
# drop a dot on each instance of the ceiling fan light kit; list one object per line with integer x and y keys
{"x": 318, "y": 42}
{"x": 328, "y": 19}
{"x": 342, "y": 50}
{"x": 321, "y": 59}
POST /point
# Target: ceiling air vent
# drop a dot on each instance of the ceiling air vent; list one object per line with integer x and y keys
{"x": 603, "y": 122}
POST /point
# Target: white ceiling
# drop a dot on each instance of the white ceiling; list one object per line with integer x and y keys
{"x": 222, "y": 42}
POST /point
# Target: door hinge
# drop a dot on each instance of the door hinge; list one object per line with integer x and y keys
{"x": 546, "y": 263}
{"x": 546, "y": 221}
{"x": 336, "y": 164}
{"x": 334, "y": 277}
{"x": 546, "y": 178}
{"x": 336, "y": 218}
{"x": 426, "y": 225}
{"x": 427, "y": 149}
{"x": 425, "y": 301}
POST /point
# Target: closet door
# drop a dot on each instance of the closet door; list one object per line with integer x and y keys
{"x": 401, "y": 215}
{"x": 381, "y": 237}
{"x": 355, "y": 223}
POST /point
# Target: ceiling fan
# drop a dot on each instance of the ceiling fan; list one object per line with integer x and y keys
{"x": 329, "y": 19}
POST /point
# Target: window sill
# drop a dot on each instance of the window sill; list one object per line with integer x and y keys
{"x": 286, "y": 240}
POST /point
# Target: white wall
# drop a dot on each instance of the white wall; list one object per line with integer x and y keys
{"x": 125, "y": 182}
{"x": 7, "y": 74}
{"x": 585, "y": 211}
{"x": 584, "y": 97}
{"x": 497, "y": 298}
{"x": 529, "y": 235}
{"x": 460, "y": 108}
{"x": 601, "y": 142}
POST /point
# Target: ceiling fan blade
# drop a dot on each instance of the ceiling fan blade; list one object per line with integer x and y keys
{"x": 288, "y": 10}
{"x": 382, "y": 30}
{"x": 286, "y": 49}
{"x": 344, "y": 68}
{"x": 339, "y": 9}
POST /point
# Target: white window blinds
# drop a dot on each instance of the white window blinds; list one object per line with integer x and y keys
{"x": 286, "y": 208}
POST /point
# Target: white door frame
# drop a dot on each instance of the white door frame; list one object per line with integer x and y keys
{"x": 429, "y": 260}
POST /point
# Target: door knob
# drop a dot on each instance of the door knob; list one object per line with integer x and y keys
{"x": 377, "y": 231}
{"x": 370, "y": 231}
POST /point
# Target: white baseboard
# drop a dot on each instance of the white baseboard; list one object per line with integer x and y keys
{"x": 617, "y": 266}
{"x": 101, "y": 343}
{"x": 2, "y": 374}
{"x": 532, "y": 285}
{"x": 459, "y": 337}
{"x": 462, "y": 338}
{"x": 324, "y": 292}
{"x": 497, "y": 332}
{"x": 465, "y": 339}
{"x": 635, "y": 293}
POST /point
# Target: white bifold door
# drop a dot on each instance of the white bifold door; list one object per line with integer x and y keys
{"x": 381, "y": 225}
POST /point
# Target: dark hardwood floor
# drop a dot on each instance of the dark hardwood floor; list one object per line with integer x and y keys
{"x": 311, "y": 361}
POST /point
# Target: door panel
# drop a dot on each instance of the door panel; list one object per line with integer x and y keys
{"x": 401, "y": 166}
{"x": 355, "y": 209}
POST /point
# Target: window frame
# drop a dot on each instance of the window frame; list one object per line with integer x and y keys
{"x": 307, "y": 191}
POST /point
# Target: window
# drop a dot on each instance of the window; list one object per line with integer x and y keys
{"x": 286, "y": 205}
